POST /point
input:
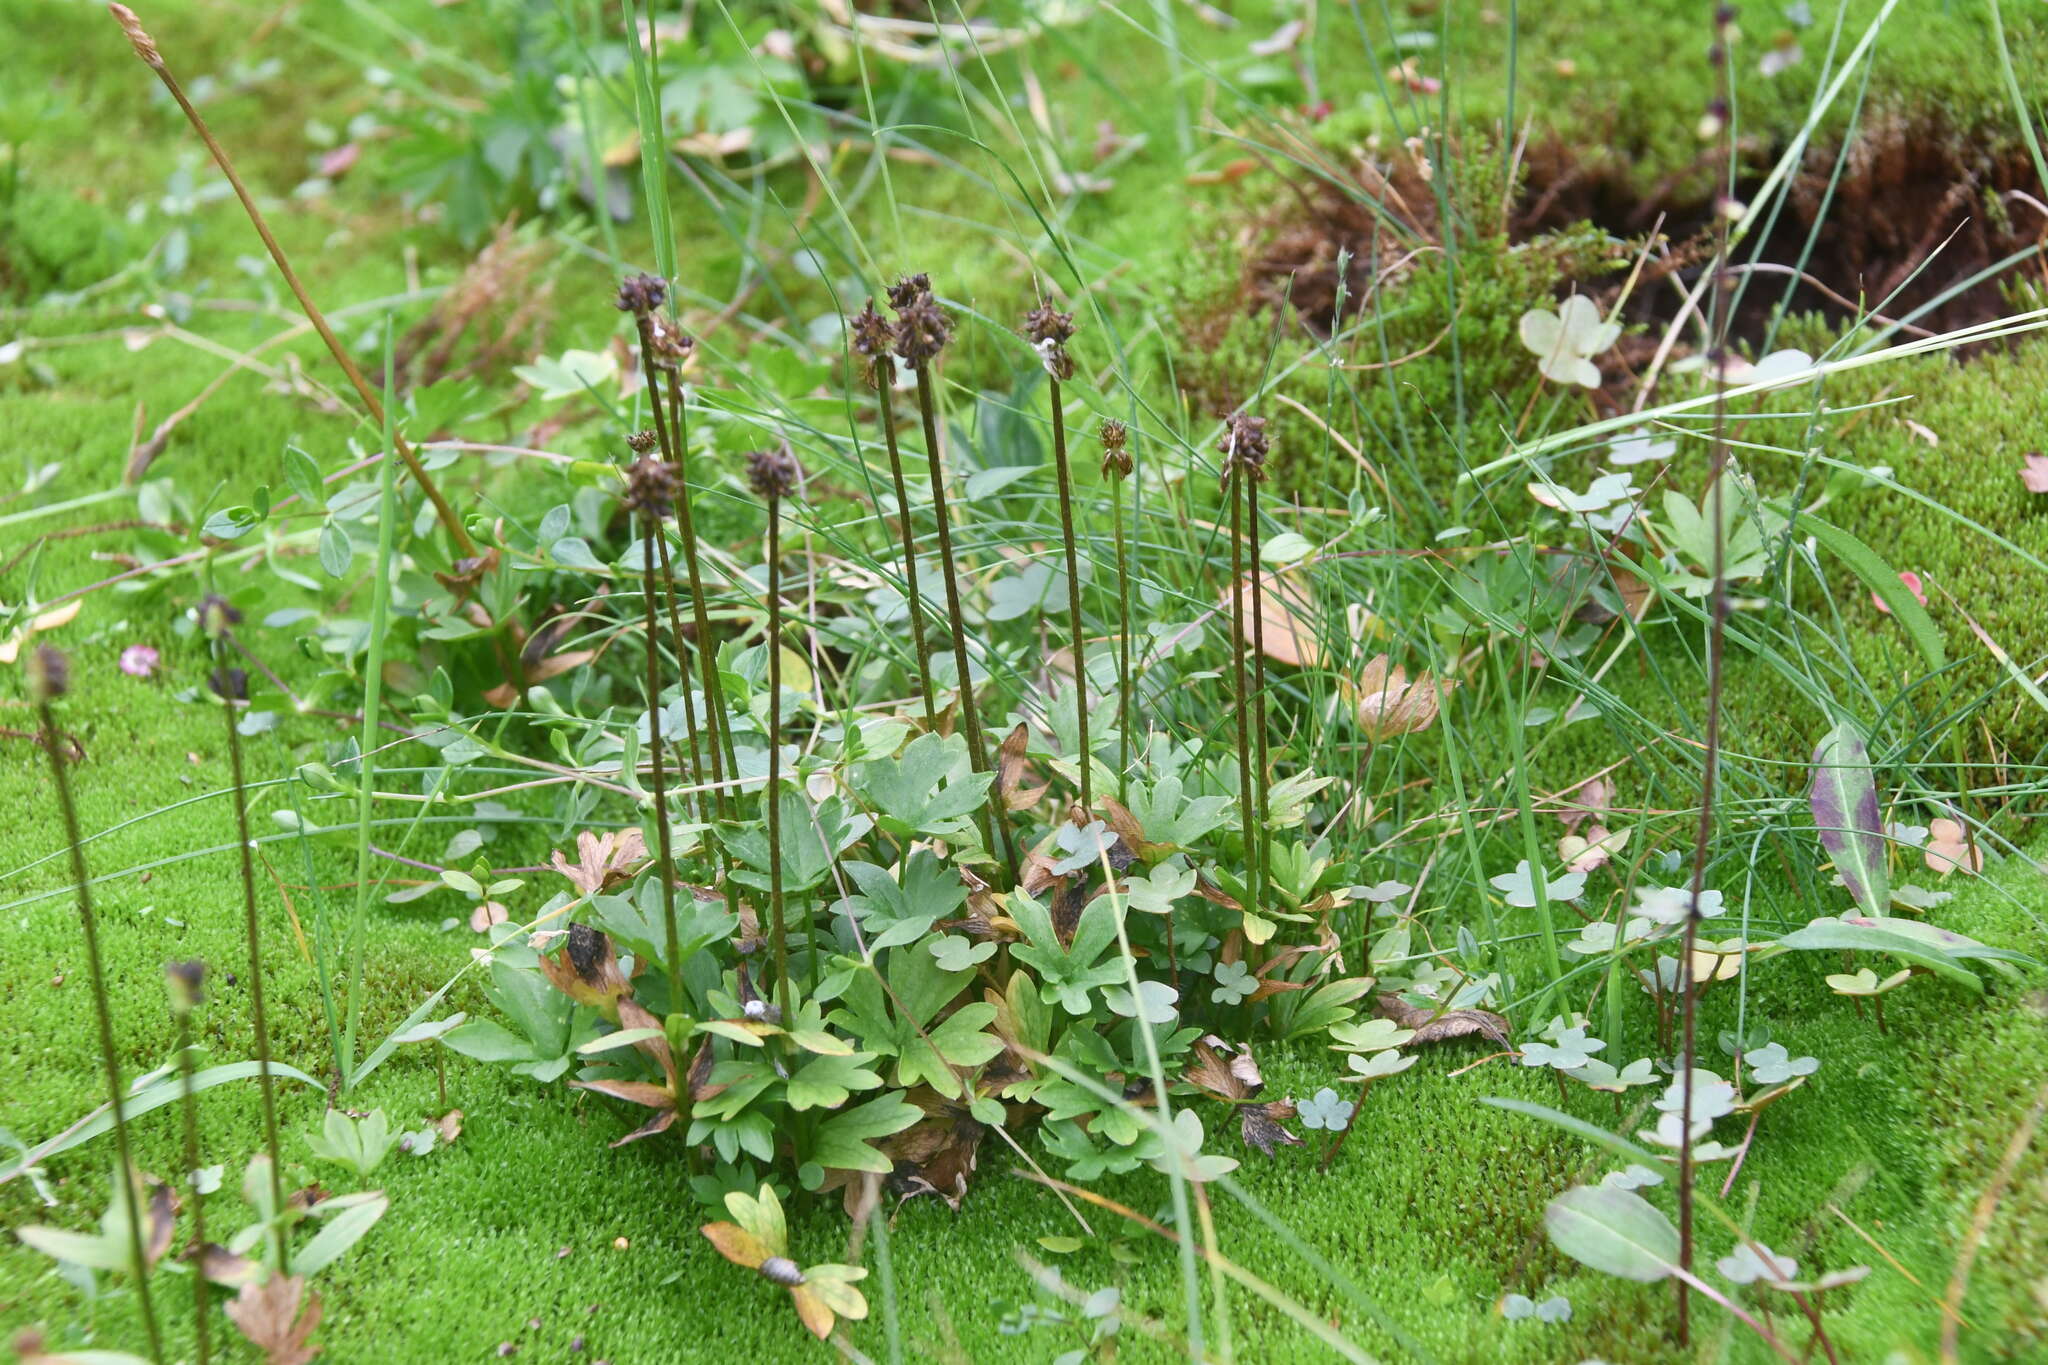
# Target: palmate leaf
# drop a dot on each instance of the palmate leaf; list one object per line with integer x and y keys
{"x": 760, "y": 1215}
{"x": 843, "y": 1142}
{"x": 1845, "y": 815}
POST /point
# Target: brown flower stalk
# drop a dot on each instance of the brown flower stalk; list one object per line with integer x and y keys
{"x": 1118, "y": 466}
{"x": 1049, "y": 331}
{"x": 650, "y": 485}
{"x": 773, "y": 475}
{"x": 1244, "y": 452}
{"x": 187, "y": 985}
{"x": 48, "y": 679}
{"x": 922, "y": 330}
{"x": 146, "y": 49}
{"x": 873, "y": 341}
{"x": 217, "y": 619}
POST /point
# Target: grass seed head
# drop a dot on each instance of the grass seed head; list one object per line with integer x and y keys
{"x": 908, "y": 290}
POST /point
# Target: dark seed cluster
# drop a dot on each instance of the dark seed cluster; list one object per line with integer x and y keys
{"x": 651, "y": 485}
{"x": 1116, "y": 454}
{"x": 873, "y": 341}
{"x": 772, "y": 474}
{"x": 1244, "y": 445}
{"x": 641, "y": 295}
{"x": 1049, "y": 330}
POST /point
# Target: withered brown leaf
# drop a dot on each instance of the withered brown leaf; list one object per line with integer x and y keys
{"x": 1260, "y": 1125}
{"x": 1014, "y": 772}
{"x": 602, "y": 860}
{"x": 269, "y": 1315}
{"x": 1432, "y": 1027}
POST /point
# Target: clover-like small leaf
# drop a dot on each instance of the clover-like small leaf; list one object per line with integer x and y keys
{"x": 1572, "y": 1050}
{"x": 1325, "y": 1110}
{"x": 1772, "y": 1066}
{"x": 1565, "y": 341}
{"x": 1234, "y": 983}
{"x": 1518, "y": 888}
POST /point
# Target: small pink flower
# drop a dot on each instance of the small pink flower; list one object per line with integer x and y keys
{"x": 139, "y": 661}
{"x": 1912, "y": 582}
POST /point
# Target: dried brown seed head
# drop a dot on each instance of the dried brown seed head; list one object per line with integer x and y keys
{"x": 229, "y": 684}
{"x": 187, "y": 982}
{"x": 772, "y": 474}
{"x": 669, "y": 344}
{"x": 49, "y": 674}
{"x": 643, "y": 442}
{"x": 138, "y": 37}
{"x": 1116, "y": 454}
{"x": 1046, "y": 323}
{"x": 909, "y": 290}
{"x": 651, "y": 485}
{"x": 922, "y": 331}
{"x": 1244, "y": 445}
{"x": 873, "y": 339}
{"x": 640, "y": 295}
{"x": 217, "y": 615}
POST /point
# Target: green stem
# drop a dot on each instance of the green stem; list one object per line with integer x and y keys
{"x": 1260, "y": 778}
{"x": 1246, "y": 811}
{"x": 1123, "y": 650}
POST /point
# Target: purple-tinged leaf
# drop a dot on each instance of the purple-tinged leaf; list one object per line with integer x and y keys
{"x": 1845, "y": 814}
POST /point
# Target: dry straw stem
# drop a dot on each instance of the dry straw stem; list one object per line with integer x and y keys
{"x": 146, "y": 49}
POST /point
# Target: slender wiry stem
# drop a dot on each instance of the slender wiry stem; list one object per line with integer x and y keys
{"x": 1262, "y": 864}
{"x": 773, "y": 793}
{"x": 1123, "y": 650}
{"x": 679, "y": 644}
{"x": 1247, "y": 812}
{"x": 252, "y": 930}
{"x": 995, "y": 826}
{"x": 146, "y": 48}
{"x": 1717, "y": 618}
{"x": 1080, "y": 634}
{"x": 109, "y": 1059}
{"x": 185, "y": 982}
{"x": 885, "y": 372}
{"x": 718, "y": 730}
{"x": 665, "y": 868}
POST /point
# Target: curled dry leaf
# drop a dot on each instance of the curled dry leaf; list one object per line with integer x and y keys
{"x": 1389, "y": 704}
{"x": 603, "y": 860}
{"x": 1229, "y": 1073}
{"x": 660, "y": 1098}
{"x": 1949, "y": 848}
{"x": 1286, "y": 620}
{"x": 1014, "y": 772}
{"x": 1432, "y": 1027}
{"x": 938, "y": 1154}
{"x": 225, "y": 1268}
{"x": 269, "y": 1315}
{"x": 449, "y": 1125}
